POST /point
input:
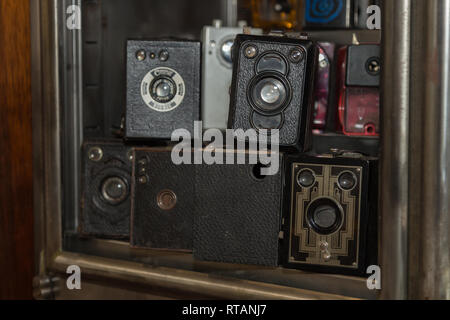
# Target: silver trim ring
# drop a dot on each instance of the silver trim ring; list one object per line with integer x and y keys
{"x": 171, "y": 74}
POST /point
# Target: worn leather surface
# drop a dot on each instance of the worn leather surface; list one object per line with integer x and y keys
{"x": 153, "y": 227}
{"x": 143, "y": 122}
{"x": 295, "y": 130}
{"x": 237, "y": 215}
{"x": 97, "y": 217}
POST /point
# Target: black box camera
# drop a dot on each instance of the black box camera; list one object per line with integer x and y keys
{"x": 106, "y": 188}
{"x": 330, "y": 214}
{"x": 272, "y": 86}
{"x": 163, "y": 88}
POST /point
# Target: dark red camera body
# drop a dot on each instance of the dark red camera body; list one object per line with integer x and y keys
{"x": 359, "y": 68}
{"x": 322, "y": 85}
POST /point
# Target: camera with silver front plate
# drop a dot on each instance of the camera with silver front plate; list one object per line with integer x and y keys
{"x": 163, "y": 88}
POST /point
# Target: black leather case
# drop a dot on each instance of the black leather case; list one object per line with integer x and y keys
{"x": 296, "y": 117}
{"x": 159, "y": 221}
{"x": 98, "y": 216}
{"x": 237, "y": 215}
{"x": 143, "y": 122}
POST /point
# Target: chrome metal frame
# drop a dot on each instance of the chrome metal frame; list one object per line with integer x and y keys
{"x": 395, "y": 148}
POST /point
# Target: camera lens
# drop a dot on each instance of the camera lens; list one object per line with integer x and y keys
{"x": 114, "y": 190}
{"x": 225, "y": 51}
{"x": 347, "y": 181}
{"x": 269, "y": 95}
{"x": 324, "y": 216}
{"x": 163, "y": 89}
{"x": 306, "y": 178}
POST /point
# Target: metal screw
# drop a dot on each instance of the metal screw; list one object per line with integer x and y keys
{"x": 296, "y": 55}
{"x": 163, "y": 55}
{"x": 374, "y": 66}
{"x": 95, "y": 154}
{"x": 142, "y": 179}
{"x": 142, "y": 162}
{"x": 140, "y": 55}
{"x": 251, "y": 52}
{"x": 326, "y": 255}
{"x": 130, "y": 155}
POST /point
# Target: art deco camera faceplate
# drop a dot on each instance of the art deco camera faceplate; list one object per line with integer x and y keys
{"x": 106, "y": 187}
{"x": 330, "y": 214}
{"x": 163, "y": 88}
{"x": 272, "y": 87}
{"x": 217, "y": 72}
{"x": 162, "y": 201}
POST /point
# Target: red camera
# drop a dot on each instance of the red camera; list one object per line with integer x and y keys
{"x": 359, "y": 68}
{"x": 322, "y": 85}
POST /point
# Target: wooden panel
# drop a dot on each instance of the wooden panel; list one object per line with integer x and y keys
{"x": 16, "y": 193}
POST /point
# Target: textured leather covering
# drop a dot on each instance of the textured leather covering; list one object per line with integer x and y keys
{"x": 153, "y": 227}
{"x": 98, "y": 217}
{"x": 296, "y": 128}
{"x": 237, "y": 215}
{"x": 142, "y": 122}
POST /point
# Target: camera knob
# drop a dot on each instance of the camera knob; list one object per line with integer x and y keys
{"x": 217, "y": 23}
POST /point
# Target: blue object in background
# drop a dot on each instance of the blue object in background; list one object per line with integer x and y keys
{"x": 323, "y": 11}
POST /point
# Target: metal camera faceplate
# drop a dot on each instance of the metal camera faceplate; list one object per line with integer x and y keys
{"x": 163, "y": 88}
{"x": 330, "y": 213}
{"x": 217, "y": 73}
{"x": 149, "y": 83}
{"x": 335, "y": 244}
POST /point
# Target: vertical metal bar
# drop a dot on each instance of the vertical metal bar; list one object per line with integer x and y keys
{"x": 71, "y": 90}
{"x": 394, "y": 147}
{"x": 430, "y": 223}
{"x": 231, "y": 14}
{"x": 46, "y": 131}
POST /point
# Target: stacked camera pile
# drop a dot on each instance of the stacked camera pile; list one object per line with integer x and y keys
{"x": 317, "y": 212}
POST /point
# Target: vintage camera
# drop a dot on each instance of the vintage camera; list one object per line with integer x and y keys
{"x": 336, "y": 14}
{"x": 106, "y": 187}
{"x": 238, "y": 212}
{"x": 162, "y": 201}
{"x": 163, "y": 88}
{"x": 272, "y": 87}
{"x": 330, "y": 213}
{"x": 359, "y": 69}
{"x": 322, "y": 87}
{"x": 216, "y": 72}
